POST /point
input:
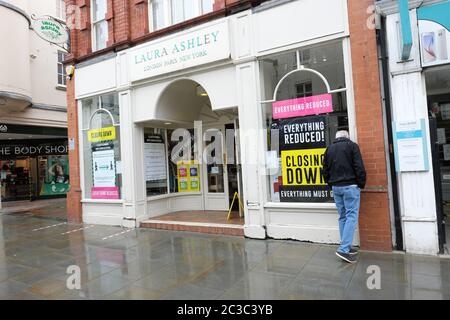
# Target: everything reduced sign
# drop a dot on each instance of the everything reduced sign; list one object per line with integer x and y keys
{"x": 303, "y": 145}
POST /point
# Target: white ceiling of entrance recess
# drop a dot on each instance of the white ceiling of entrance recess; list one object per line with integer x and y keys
{"x": 180, "y": 103}
{"x": 438, "y": 80}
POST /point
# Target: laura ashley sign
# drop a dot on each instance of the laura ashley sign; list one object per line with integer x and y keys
{"x": 192, "y": 49}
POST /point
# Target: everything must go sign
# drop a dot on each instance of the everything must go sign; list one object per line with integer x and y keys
{"x": 195, "y": 48}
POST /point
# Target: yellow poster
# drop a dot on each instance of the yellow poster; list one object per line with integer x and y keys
{"x": 188, "y": 176}
{"x": 303, "y": 167}
{"x": 102, "y": 134}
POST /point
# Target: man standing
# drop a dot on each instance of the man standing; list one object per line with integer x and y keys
{"x": 344, "y": 171}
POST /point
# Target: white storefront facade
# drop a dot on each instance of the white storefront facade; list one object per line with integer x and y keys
{"x": 418, "y": 75}
{"x": 221, "y": 75}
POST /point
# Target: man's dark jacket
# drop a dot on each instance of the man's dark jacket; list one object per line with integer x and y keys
{"x": 343, "y": 164}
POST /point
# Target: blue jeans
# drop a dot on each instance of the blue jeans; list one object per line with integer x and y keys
{"x": 347, "y": 200}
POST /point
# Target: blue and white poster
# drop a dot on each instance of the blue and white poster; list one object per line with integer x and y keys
{"x": 410, "y": 146}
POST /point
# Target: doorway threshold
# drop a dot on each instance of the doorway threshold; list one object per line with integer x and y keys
{"x": 211, "y": 222}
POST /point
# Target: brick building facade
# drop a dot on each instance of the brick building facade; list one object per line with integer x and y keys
{"x": 128, "y": 27}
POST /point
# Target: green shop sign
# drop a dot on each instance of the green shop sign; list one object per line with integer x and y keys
{"x": 51, "y": 30}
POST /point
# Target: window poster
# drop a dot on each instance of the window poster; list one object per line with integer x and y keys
{"x": 410, "y": 146}
{"x": 302, "y": 146}
{"x": 154, "y": 158}
{"x": 104, "y": 172}
{"x": 56, "y": 181}
{"x": 188, "y": 176}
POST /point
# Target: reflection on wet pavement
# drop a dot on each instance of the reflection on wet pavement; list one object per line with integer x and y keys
{"x": 152, "y": 264}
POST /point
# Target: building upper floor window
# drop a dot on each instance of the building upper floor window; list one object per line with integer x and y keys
{"x": 61, "y": 71}
{"x": 61, "y": 9}
{"x": 99, "y": 24}
{"x": 164, "y": 13}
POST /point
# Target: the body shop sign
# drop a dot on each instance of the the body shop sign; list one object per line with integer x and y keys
{"x": 10, "y": 151}
{"x": 51, "y": 30}
{"x": 199, "y": 47}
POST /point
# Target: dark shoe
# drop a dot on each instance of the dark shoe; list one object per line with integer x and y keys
{"x": 353, "y": 252}
{"x": 346, "y": 257}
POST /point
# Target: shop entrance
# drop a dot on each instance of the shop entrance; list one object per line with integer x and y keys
{"x": 201, "y": 176}
{"x": 438, "y": 97}
{"x": 221, "y": 170}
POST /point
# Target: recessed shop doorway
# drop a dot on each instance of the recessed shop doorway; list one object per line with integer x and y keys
{"x": 203, "y": 175}
{"x": 438, "y": 98}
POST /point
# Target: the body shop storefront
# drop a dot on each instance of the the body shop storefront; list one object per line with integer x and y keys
{"x": 238, "y": 105}
{"x": 33, "y": 169}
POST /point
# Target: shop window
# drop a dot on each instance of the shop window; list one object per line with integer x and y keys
{"x": 155, "y": 161}
{"x": 99, "y": 24}
{"x": 164, "y": 13}
{"x": 184, "y": 172}
{"x": 101, "y": 147}
{"x": 53, "y": 175}
{"x": 61, "y": 71}
{"x": 61, "y": 9}
{"x": 297, "y": 137}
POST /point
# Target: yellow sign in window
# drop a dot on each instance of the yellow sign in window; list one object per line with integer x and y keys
{"x": 103, "y": 134}
{"x": 303, "y": 167}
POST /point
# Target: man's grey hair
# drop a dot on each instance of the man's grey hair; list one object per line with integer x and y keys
{"x": 342, "y": 134}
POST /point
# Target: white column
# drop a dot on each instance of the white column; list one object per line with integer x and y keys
{"x": 409, "y": 102}
{"x": 252, "y": 150}
{"x": 131, "y": 137}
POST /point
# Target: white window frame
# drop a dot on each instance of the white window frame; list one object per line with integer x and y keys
{"x": 93, "y": 25}
{"x": 61, "y": 9}
{"x": 64, "y": 84}
{"x": 168, "y": 19}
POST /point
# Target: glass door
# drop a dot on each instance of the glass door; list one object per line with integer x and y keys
{"x": 215, "y": 168}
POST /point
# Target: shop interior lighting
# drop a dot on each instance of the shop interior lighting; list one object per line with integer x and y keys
{"x": 201, "y": 92}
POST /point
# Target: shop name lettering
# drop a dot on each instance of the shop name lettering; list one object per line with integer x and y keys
{"x": 25, "y": 151}
{"x": 51, "y": 27}
{"x": 198, "y": 42}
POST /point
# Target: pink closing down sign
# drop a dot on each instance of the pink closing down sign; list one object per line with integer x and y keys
{"x": 108, "y": 193}
{"x": 302, "y": 107}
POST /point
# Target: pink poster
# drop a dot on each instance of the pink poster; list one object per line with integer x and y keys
{"x": 302, "y": 107}
{"x": 108, "y": 193}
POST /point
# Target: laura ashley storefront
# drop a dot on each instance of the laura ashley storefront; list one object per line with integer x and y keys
{"x": 286, "y": 86}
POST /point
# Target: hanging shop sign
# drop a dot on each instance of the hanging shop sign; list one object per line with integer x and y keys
{"x": 302, "y": 145}
{"x": 192, "y": 49}
{"x": 102, "y": 134}
{"x": 434, "y": 29}
{"x": 31, "y": 149}
{"x": 406, "y": 30}
{"x": 154, "y": 158}
{"x": 188, "y": 176}
{"x": 52, "y": 30}
{"x": 302, "y": 107}
{"x": 410, "y": 146}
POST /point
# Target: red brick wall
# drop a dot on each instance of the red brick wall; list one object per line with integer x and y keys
{"x": 128, "y": 24}
{"x": 374, "y": 222}
{"x": 74, "y": 212}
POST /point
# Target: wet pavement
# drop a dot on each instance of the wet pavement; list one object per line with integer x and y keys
{"x": 118, "y": 263}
